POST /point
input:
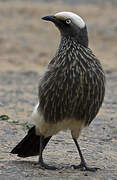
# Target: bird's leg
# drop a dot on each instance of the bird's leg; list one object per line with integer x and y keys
{"x": 41, "y": 162}
{"x": 82, "y": 165}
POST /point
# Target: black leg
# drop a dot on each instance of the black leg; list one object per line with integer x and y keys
{"x": 41, "y": 162}
{"x": 82, "y": 165}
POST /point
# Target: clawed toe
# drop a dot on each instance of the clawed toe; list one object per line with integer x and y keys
{"x": 85, "y": 167}
{"x": 45, "y": 166}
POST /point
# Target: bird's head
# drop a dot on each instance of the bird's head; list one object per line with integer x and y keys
{"x": 70, "y": 24}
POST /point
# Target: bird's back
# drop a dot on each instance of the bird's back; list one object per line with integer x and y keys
{"x": 73, "y": 85}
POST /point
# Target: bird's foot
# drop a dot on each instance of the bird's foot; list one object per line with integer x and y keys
{"x": 43, "y": 166}
{"x": 84, "y": 167}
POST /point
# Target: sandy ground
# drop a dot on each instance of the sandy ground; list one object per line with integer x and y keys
{"x": 26, "y": 45}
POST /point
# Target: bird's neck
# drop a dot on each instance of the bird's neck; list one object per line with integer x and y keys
{"x": 69, "y": 43}
{"x": 80, "y": 37}
{"x": 65, "y": 40}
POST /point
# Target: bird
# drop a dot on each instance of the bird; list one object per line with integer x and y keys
{"x": 71, "y": 91}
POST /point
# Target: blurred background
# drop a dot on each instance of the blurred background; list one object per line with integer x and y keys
{"x": 28, "y": 43}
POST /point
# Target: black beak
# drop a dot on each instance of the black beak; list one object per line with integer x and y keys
{"x": 53, "y": 19}
{"x": 49, "y": 18}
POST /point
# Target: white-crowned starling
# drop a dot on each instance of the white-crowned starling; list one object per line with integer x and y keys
{"x": 71, "y": 90}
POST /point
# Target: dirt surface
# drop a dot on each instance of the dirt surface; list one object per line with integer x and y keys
{"x": 26, "y": 45}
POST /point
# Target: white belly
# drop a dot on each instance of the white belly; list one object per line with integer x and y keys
{"x": 48, "y": 129}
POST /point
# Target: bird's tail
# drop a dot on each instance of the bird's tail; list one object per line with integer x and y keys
{"x": 29, "y": 145}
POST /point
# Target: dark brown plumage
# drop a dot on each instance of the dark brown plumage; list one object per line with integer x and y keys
{"x": 71, "y": 90}
{"x": 74, "y": 84}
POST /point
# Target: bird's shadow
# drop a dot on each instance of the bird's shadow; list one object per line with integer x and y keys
{"x": 35, "y": 164}
{"x": 23, "y": 162}
{"x": 30, "y": 164}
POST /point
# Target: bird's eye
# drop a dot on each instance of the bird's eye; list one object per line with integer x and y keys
{"x": 68, "y": 21}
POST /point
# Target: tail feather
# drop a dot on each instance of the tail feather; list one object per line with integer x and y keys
{"x": 29, "y": 145}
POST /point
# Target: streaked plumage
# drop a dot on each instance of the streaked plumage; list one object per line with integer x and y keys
{"x": 73, "y": 84}
{"x": 71, "y": 90}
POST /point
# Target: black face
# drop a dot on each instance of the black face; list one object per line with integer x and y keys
{"x": 68, "y": 28}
